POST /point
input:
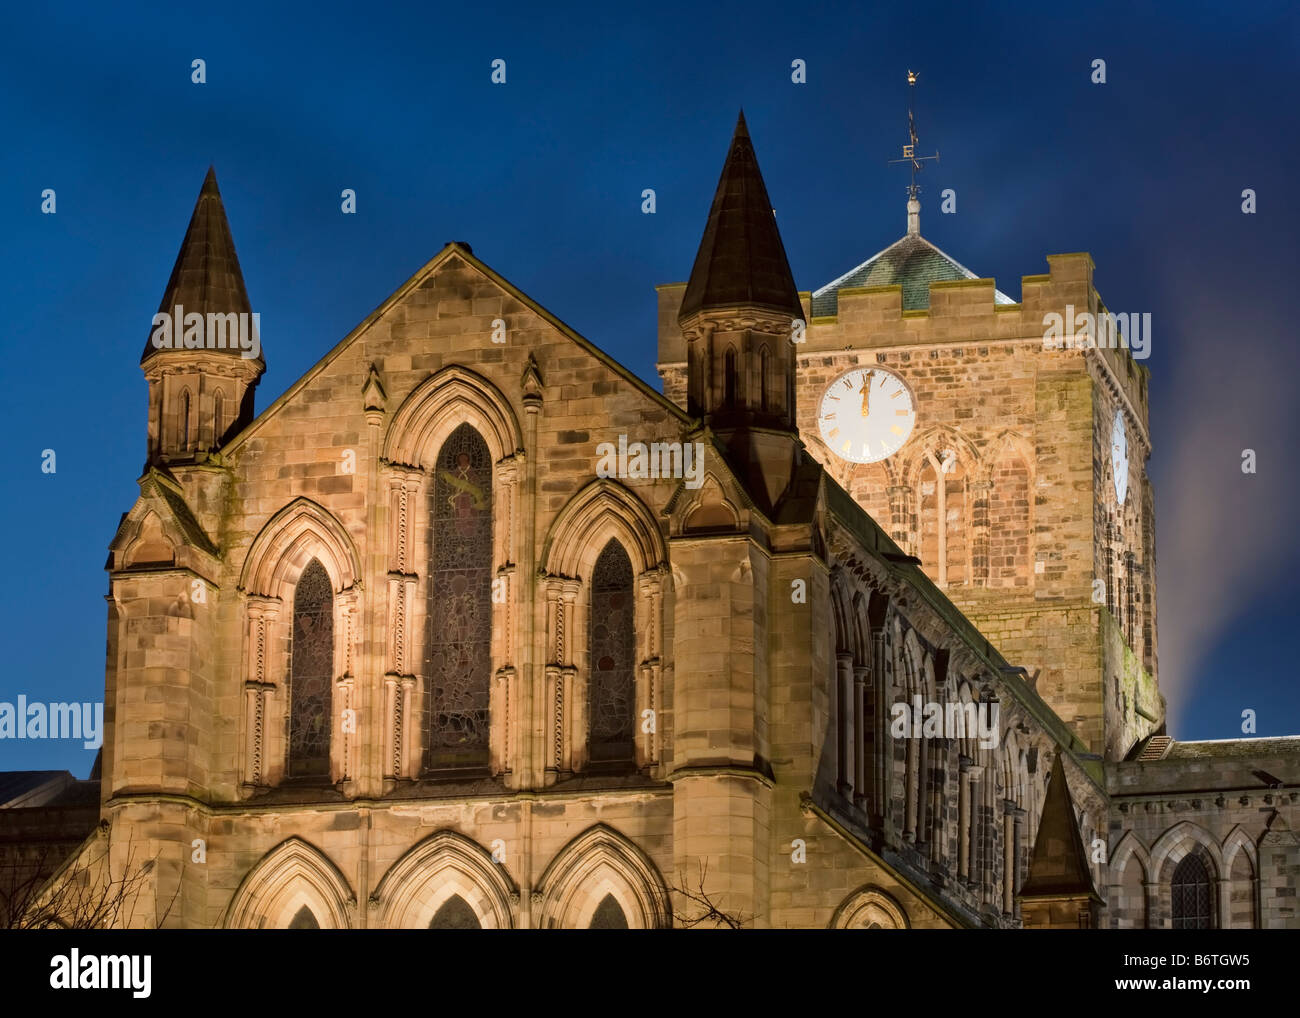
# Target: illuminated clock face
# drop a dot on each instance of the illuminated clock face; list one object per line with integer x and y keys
{"x": 866, "y": 415}
{"x": 1119, "y": 456}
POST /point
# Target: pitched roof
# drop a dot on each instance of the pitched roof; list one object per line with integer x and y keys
{"x": 741, "y": 261}
{"x": 1058, "y": 865}
{"x": 31, "y": 788}
{"x": 911, "y": 262}
{"x": 206, "y": 277}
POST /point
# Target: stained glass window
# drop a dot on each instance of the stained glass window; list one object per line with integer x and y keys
{"x": 311, "y": 673}
{"x": 612, "y": 683}
{"x": 459, "y": 659}
{"x": 1190, "y": 890}
{"x": 455, "y": 914}
{"x": 608, "y": 915}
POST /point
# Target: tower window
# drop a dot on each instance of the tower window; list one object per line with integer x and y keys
{"x": 185, "y": 420}
{"x": 218, "y": 412}
{"x": 729, "y": 378}
{"x": 764, "y": 367}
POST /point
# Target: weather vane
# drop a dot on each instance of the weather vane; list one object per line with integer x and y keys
{"x": 909, "y": 151}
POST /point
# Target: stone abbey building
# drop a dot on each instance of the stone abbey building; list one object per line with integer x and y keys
{"x": 398, "y": 652}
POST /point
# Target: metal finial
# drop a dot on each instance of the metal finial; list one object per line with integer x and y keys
{"x": 912, "y": 159}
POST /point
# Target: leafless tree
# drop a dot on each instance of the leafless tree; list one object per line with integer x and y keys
{"x": 704, "y": 912}
{"x": 76, "y": 893}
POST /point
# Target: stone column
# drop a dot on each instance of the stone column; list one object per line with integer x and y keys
{"x": 861, "y": 690}
{"x": 964, "y": 825}
{"x": 844, "y": 724}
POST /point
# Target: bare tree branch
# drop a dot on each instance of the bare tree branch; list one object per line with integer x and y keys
{"x": 709, "y": 913}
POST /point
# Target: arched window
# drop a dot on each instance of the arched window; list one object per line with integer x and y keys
{"x": 185, "y": 419}
{"x": 1190, "y": 891}
{"x": 608, "y": 915}
{"x": 311, "y": 673}
{"x": 458, "y": 664}
{"x": 764, "y": 368}
{"x": 942, "y": 502}
{"x": 218, "y": 413}
{"x": 612, "y": 682}
{"x": 729, "y": 378}
{"x": 304, "y": 920}
{"x": 455, "y": 914}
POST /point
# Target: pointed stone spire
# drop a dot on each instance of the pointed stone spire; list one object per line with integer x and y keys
{"x": 739, "y": 314}
{"x": 1058, "y": 887}
{"x": 741, "y": 260}
{"x": 203, "y": 357}
{"x": 206, "y": 277}
{"x": 1059, "y": 864}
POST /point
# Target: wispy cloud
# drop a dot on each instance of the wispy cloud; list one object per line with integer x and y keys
{"x": 1223, "y": 536}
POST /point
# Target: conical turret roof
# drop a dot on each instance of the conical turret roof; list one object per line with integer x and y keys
{"x": 206, "y": 277}
{"x": 741, "y": 260}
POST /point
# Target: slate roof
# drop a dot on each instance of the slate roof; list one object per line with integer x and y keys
{"x": 1223, "y": 748}
{"x": 911, "y": 262}
{"x": 206, "y": 277}
{"x": 741, "y": 261}
{"x": 16, "y": 786}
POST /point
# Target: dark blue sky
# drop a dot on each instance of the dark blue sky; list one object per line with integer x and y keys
{"x": 543, "y": 177}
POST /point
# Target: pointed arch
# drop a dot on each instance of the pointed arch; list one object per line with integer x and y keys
{"x": 1240, "y": 866}
{"x": 1126, "y": 897}
{"x": 292, "y": 876}
{"x": 869, "y": 908}
{"x": 277, "y": 560}
{"x": 311, "y": 673}
{"x": 602, "y": 862}
{"x": 454, "y": 396}
{"x": 455, "y": 914}
{"x": 185, "y": 430}
{"x": 710, "y": 509}
{"x": 1238, "y": 842}
{"x": 938, "y": 473}
{"x": 612, "y": 660}
{"x": 458, "y": 649}
{"x": 602, "y": 510}
{"x": 1129, "y": 847}
{"x": 1177, "y": 842}
{"x": 729, "y": 381}
{"x": 443, "y": 866}
{"x": 299, "y": 532}
{"x": 151, "y": 545}
{"x": 218, "y": 416}
{"x": 922, "y": 444}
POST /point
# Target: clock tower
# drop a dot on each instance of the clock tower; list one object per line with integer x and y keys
{"x": 1017, "y": 475}
{"x": 1011, "y": 462}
